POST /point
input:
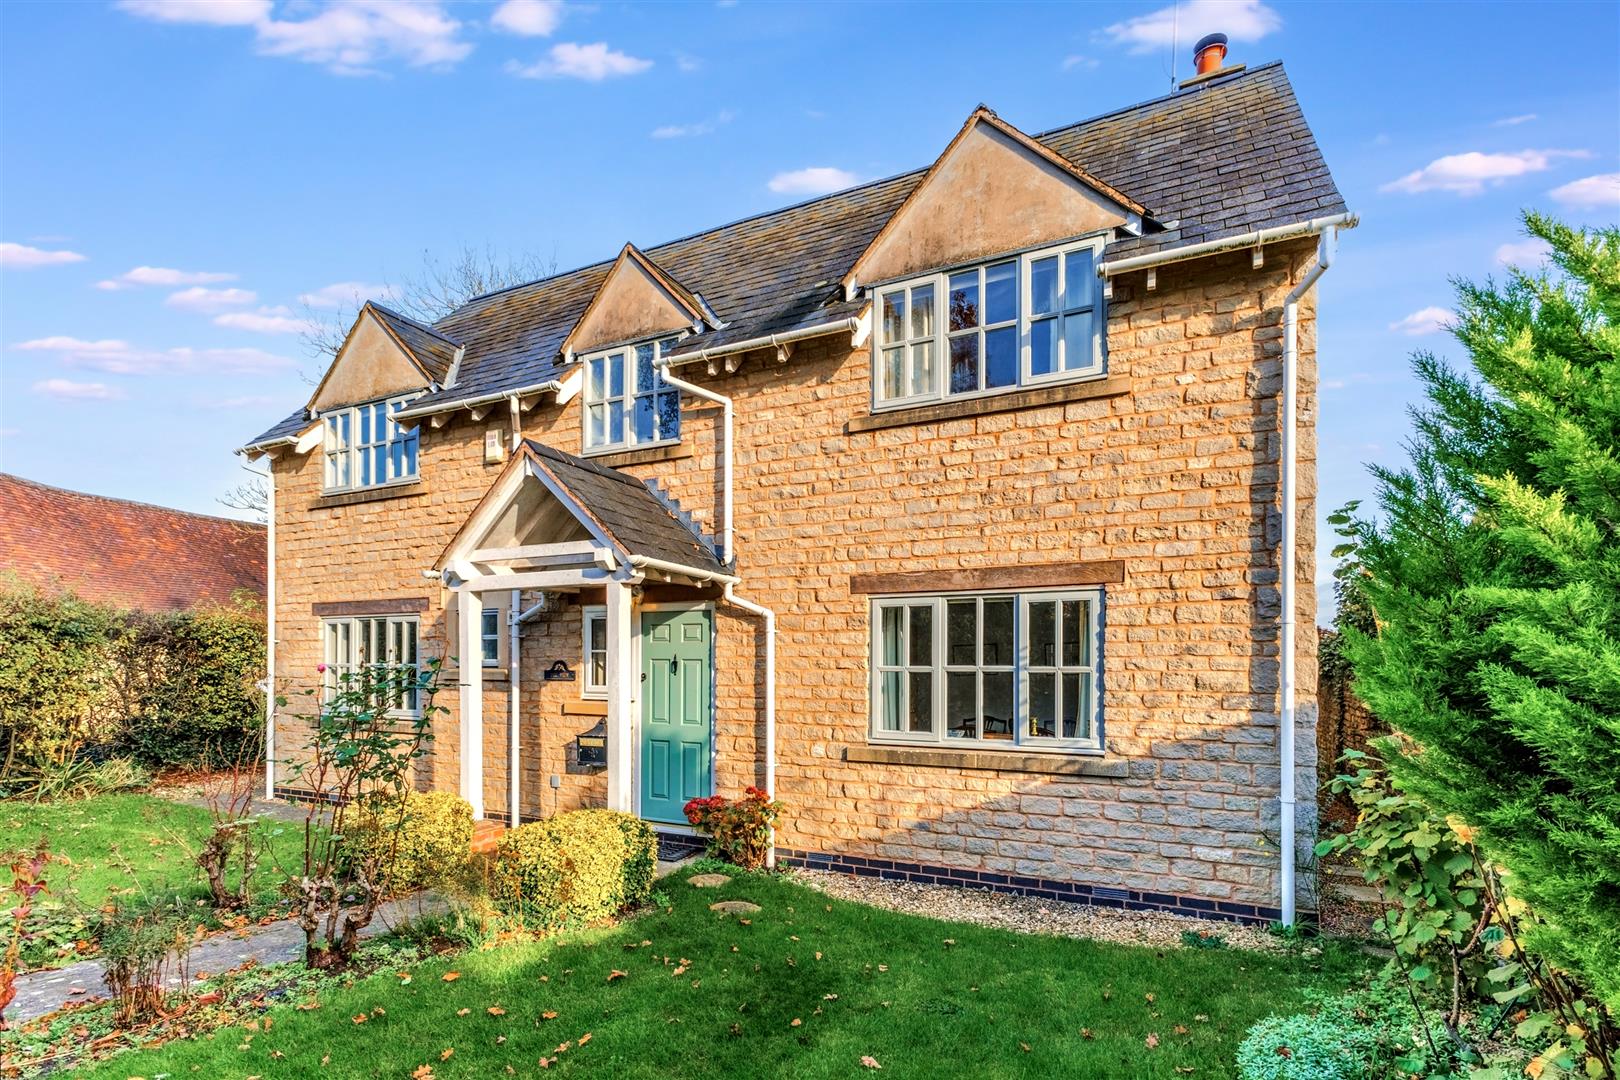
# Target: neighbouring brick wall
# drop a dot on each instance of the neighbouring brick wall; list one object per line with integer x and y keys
{"x": 1177, "y": 478}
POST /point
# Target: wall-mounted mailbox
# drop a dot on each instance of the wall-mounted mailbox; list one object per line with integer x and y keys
{"x": 590, "y": 747}
{"x": 559, "y": 671}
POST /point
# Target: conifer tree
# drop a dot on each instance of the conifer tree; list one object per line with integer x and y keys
{"x": 1493, "y": 570}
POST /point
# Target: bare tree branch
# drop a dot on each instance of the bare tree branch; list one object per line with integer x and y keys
{"x": 250, "y": 495}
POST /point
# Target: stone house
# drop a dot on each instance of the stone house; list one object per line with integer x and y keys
{"x": 950, "y": 508}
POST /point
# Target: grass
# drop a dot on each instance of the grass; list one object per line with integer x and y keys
{"x": 120, "y": 847}
{"x": 806, "y": 988}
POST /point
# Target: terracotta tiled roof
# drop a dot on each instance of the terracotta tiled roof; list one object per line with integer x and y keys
{"x": 128, "y": 554}
{"x": 1219, "y": 159}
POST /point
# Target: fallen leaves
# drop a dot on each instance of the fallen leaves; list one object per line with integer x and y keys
{"x": 359, "y": 1018}
{"x": 617, "y": 974}
{"x": 549, "y": 1014}
{"x": 423, "y": 1072}
{"x": 495, "y": 1010}
{"x": 450, "y": 976}
{"x": 1152, "y": 1040}
{"x": 870, "y": 1062}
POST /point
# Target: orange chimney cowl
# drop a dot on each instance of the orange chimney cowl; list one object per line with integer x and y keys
{"x": 1209, "y": 54}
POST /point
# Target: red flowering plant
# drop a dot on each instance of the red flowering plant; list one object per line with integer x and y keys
{"x": 739, "y": 831}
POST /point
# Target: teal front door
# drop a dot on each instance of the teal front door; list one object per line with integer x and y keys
{"x": 676, "y": 732}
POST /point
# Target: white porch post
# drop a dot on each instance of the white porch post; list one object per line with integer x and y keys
{"x": 470, "y": 610}
{"x": 623, "y": 686}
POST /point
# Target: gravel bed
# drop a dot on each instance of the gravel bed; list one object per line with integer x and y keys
{"x": 1032, "y": 915}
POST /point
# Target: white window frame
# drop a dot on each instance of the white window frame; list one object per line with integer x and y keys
{"x": 1025, "y": 378}
{"x": 589, "y": 687}
{"x": 344, "y": 455}
{"x": 1091, "y": 742}
{"x": 489, "y": 641}
{"x": 593, "y": 398}
{"x": 347, "y": 642}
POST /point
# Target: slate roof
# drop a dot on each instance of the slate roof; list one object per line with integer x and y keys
{"x": 631, "y": 512}
{"x": 1221, "y": 158}
{"x": 128, "y": 554}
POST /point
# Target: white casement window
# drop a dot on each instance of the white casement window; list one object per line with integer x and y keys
{"x": 1020, "y": 321}
{"x": 627, "y": 402}
{"x": 366, "y": 447}
{"x": 489, "y": 637}
{"x": 1000, "y": 670}
{"x": 594, "y": 650}
{"x": 379, "y": 642}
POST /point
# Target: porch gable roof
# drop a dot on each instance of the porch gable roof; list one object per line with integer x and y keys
{"x": 629, "y": 514}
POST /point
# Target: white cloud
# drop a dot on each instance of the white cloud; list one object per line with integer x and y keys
{"x": 1515, "y": 121}
{"x": 198, "y": 298}
{"x": 266, "y": 320}
{"x": 341, "y": 294}
{"x": 120, "y": 358}
{"x": 69, "y": 390}
{"x": 568, "y": 60}
{"x": 702, "y": 127}
{"x": 1601, "y": 192}
{"x": 349, "y": 37}
{"x": 816, "y": 180}
{"x": 23, "y": 257}
{"x": 688, "y": 63}
{"x": 1526, "y": 253}
{"x": 1075, "y": 60}
{"x": 1427, "y": 320}
{"x": 1472, "y": 172}
{"x": 207, "y": 12}
{"x": 529, "y": 18}
{"x": 162, "y": 275}
{"x": 1240, "y": 20}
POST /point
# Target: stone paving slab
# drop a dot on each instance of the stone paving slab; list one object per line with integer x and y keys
{"x": 41, "y": 992}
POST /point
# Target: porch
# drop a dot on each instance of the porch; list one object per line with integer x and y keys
{"x": 567, "y": 549}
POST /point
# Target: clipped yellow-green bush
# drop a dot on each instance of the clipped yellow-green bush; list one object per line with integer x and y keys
{"x": 577, "y": 867}
{"x": 434, "y": 833}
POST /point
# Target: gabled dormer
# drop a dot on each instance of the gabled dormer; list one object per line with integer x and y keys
{"x": 385, "y": 361}
{"x": 993, "y": 190}
{"x": 983, "y": 281}
{"x": 636, "y": 316}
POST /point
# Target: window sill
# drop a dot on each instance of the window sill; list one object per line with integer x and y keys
{"x": 641, "y": 455}
{"x": 1066, "y": 764}
{"x": 398, "y": 490}
{"x": 1060, "y": 394}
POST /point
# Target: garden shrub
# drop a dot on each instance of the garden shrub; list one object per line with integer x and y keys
{"x": 740, "y": 831}
{"x": 1359, "y": 1035}
{"x": 430, "y": 834}
{"x": 140, "y": 946}
{"x": 577, "y": 867}
{"x": 55, "y": 659}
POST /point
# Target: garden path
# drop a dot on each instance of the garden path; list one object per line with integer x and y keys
{"x": 41, "y": 992}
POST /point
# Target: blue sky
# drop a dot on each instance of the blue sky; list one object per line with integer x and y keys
{"x": 175, "y": 176}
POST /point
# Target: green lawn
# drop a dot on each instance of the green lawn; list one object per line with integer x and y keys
{"x": 120, "y": 847}
{"x": 806, "y": 988}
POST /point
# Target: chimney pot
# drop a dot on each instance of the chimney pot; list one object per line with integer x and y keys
{"x": 1209, "y": 54}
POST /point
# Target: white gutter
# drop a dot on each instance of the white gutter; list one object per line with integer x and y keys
{"x": 515, "y": 621}
{"x": 1325, "y": 250}
{"x": 765, "y": 341}
{"x": 482, "y": 399}
{"x": 643, "y": 562}
{"x": 731, "y": 583}
{"x": 725, "y": 454}
{"x": 1257, "y": 238}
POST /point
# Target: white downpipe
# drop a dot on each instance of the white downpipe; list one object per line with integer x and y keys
{"x": 731, "y": 583}
{"x": 270, "y": 634}
{"x": 770, "y": 699}
{"x": 515, "y": 621}
{"x": 724, "y": 402}
{"x": 1325, "y": 250}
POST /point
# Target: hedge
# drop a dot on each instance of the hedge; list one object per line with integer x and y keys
{"x": 169, "y": 688}
{"x": 434, "y": 828}
{"x": 578, "y": 867}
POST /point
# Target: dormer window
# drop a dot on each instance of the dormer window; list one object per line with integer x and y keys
{"x": 366, "y": 447}
{"x": 627, "y": 402}
{"x": 1016, "y": 322}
